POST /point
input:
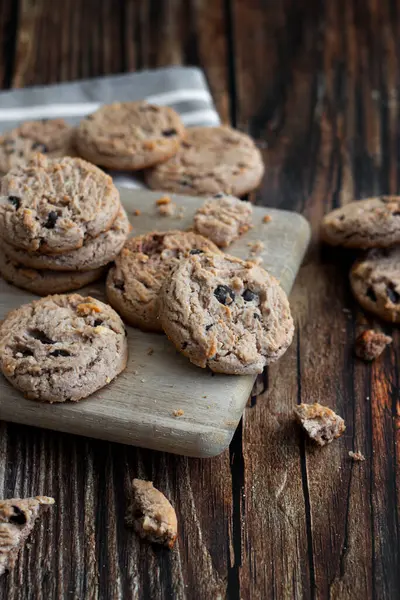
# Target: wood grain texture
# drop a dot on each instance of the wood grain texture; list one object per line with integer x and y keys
{"x": 316, "y": 81}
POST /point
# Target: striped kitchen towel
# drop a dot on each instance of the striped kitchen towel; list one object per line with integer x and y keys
{"x": 183, "y": 88}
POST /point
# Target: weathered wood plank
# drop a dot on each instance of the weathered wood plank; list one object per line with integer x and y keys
{"x": 310, "y": 82}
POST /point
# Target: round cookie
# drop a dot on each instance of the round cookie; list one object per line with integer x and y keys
{"x": 210, "y": 160}
{"x": 226, "y": 314}
{"x": 129, "y": 135}
{"x": 94, "y": 253}
{"x": 46, "y": 282}
{"x": 375, "y": 282}
{"x": 52, "y": 205}
{"x": 62, "y": 348}
{"x": 370, "y": 223}
{"x": 52, "y": 137}
{"x": 133, "y": 284}
{"x": 223, "y": 219}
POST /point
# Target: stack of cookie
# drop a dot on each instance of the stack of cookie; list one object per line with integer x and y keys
{"x": 61, "y": 223}
{"x": 372, "y": 225}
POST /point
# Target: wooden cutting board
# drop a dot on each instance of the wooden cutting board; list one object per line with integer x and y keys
{"x": 137, "y": 408}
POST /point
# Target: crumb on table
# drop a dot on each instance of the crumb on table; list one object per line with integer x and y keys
{"x": 178, "y": 413}
{"x": 321, "y": 423}
{"x": 166, "y": 209}
{"x": 370, "y": 344}
{"x": 356, "y": 455}
{"x": 137, "y": 212}
{"x": 267, "y": 219}
{"x": 150, "y": 351}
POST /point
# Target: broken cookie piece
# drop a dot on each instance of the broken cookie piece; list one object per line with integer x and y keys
{"x": 17, "y": 519}
{"x": 223, "y": 219}
{"x": 152, "y": 515}
{"x": 320, "y": 422}
{"x": 370, "y": 344}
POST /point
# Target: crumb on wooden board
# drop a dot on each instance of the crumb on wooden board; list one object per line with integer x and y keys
{"x": 178, "y": 413}
{"x": 267, "y": 219}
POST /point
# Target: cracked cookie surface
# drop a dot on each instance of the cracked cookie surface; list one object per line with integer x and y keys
{"x": 375, "y": 281}
{"x": 95, "y": 252}
{"x": 62, "y": 347}
{"x": 53, "y": 137}
{"x": 210, "y": 160}
{"x": 52, "y": 205}
{"x": 225, "y": 313}
{"x": 45, "y": 282}
{"x": 17, "y": 519}
{"x": 129, "y": 135}
{"x": 370, "y": 223}
{"x": 133, "y": 284}
{"x": 223, "y": 219}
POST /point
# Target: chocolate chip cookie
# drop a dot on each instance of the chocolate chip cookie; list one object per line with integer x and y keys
{"x": 52, "y": 205}
{"x": 62, "y": 348}
{"x": 52, "y": 137}
{"x": 95, "y": 252}
{"x": 370, "y": 223}
{"x": 17, "y": 519}
{"x": 223, "y": 219}
{"x": 129, "y": 135}
{"x": 375, "y": 281}
{"x": 210, "y": 160}
{"x": 46, "y": 282}
{"x": 225, "y": 313}
{"x": 133, "y": 284}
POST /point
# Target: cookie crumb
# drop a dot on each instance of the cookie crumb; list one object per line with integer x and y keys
{"x": 256, "y": 247}
{"x": 321, "y": 423}
{"x": 267, "y": 219}
{"x": 167, "y": 210}
{"x": 150, "y": 351}
{"x": 152, "y": 515}
{"x": 137, "y": 212}
{"x": 204, "y": 396}
{"x": 143, "y": 380}
{"x": 357, "y": 456}
{"x": 108, "y": 379}
{"x": 370, "y": 344}
{"x": 178, "y": 413}
{"x": 163, "y": 200}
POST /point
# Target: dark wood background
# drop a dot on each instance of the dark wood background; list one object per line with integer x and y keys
{"x": 317, "y": 83}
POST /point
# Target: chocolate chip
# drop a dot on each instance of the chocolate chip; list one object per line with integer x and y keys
{"x": 196, "y": 251}
{"x": 219, "y": 195}
{"x": 371, "y": 294}
{"x": 257, "y": 316}
{"x": 184, "y": 345}
{"x": 57, "y": 353}
{"x": 119, "y": 285}
{"x": 39, "y": 147}
{"x": 393, "y": 296}
{"x": 15, "y": 201}
{"x": 248, "y": 295}
{"x": 51, "y": 220}
{"x": 185, "y": 183}
{"x": 208, "y": 327}
{"x": 41, "y": 336}
{"x": 341, "y": 218}
{"x": 396, "y": 213}
{"x": 97, "y": 323}
{"x": 224, "y": 294}
{"x": 169, "y": 132}
{"x": 18, "y": 518}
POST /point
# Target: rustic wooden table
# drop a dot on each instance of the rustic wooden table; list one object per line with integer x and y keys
{"x": 317, "y": 84}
